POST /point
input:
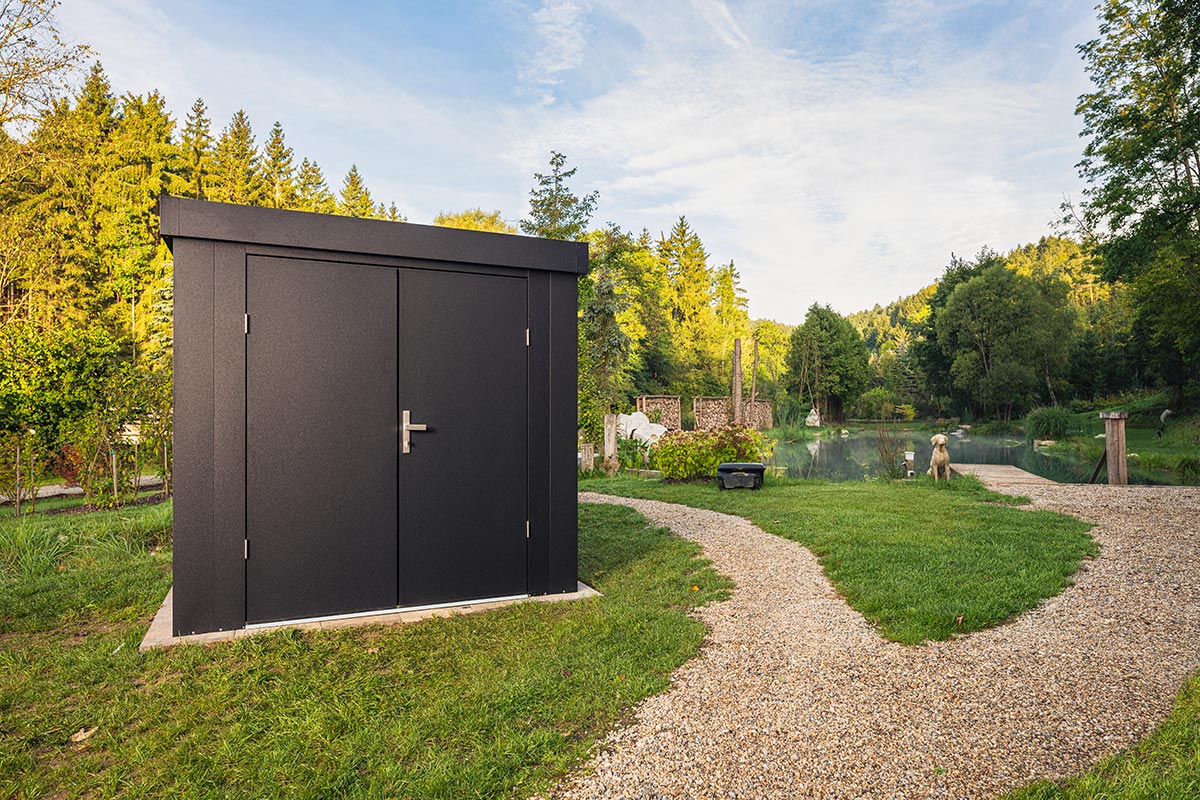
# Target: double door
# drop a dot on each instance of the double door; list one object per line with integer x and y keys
{"x": 341, "y": 515}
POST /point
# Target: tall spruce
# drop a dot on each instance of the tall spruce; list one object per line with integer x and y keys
{"x": 312, "y": 193}
{"x": 196, "y": 145}
{"x": 237, "y": 174}
{"x": 555, "y": 212}
{"x": 141, "y": 162}
{"x": 279, "y": 176}
{"x": 356, "y": 198}
{"x": 697, "y": 334}
{"x": 731, "y": 305}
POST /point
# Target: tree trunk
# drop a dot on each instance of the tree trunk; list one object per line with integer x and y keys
{"x": 735, "y": 394}
{"x": 754, "y": 385}
{"x": 1049, "y": 388}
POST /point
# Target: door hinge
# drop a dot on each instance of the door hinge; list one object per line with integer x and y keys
{"x": 526, "y": 529}
{"x": 246, "y": 329}
{"x": 527, "y": 337}
{"x": 246, "y": 549}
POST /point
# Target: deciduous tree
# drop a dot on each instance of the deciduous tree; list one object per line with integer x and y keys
{"x": 475, "y": 219}
{"x": 1142, "y": 165}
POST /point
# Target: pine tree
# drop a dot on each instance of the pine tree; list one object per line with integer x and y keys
{"x": 279, "y": 176}
{"x": 312, "y": 193}
{"x": 196, "y": 145}
{"x": 96, "y": 104}
{"x": 555, "y": 212}
{"x": 731, "y": 305}
{"x": 356, "y": 199}
{"x": 140, "y": 164}
{"x": 237, "y": 176}
{"x": 696, "y": 330}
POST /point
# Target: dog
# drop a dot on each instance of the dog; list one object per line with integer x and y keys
{"x": 939, "y": 462}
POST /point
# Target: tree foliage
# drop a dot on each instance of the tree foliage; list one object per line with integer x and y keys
{"x": 475, "y": 219}
{"x": 35, "y": 61}
{"x": 1142, "y": 166}
{"x": 1005, "y": 335}
{"x": 555, "y": 212}
{"x": 827, "y": 361}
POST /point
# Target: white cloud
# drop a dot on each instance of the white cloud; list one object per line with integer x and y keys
{"x": 561, "y": 29}
{"x": 846, "y": 181}
{"x": 830, "y": 171}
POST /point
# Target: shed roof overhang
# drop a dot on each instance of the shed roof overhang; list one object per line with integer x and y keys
{"x": 201, "y": 219}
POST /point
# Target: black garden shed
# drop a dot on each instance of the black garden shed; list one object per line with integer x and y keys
{"x": 369, "y": 415}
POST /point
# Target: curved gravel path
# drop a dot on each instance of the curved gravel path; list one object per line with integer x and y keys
{"x": 794, "y": 694}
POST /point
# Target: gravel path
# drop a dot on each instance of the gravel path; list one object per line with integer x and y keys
{"x": 794, "y": 694}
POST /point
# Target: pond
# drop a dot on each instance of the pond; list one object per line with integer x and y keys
{"x": 856, "y": 457}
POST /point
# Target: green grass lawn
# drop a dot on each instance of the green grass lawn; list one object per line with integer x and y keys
{"x": 490, "y": 705}
{"x": 1152, "y": 458}
{"x": 911, "y": 557}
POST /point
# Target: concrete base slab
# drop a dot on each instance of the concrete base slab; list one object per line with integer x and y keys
{"x": 159, "y": 634}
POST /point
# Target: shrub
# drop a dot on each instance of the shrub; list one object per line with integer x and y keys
{"x": 688, "y": 455}
{"x": 632, "y": 453}
{"x": 878, "y": 403}
{"x": 1051, "y": 422}
{"x": 1188, "y": 468}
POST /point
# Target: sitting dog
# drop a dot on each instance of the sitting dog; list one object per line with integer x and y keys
{"x": 939, "y": 462}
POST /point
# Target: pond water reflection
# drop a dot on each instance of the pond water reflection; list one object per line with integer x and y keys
{"x": 856, "y": 457}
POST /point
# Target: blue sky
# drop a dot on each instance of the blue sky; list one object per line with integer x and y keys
{"x": 837, "y": 151}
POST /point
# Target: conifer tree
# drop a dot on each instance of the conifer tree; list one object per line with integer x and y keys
{"x": 140, "y": 163}
{"x": 555, "y": 212}
{"x": 312, "y": 193}
{"x": 731, "y": 305}
{"x": 196, "y": 145}
{"x": 279, "y": 176}
{"x": 96, "y": 104}
{"x": 356, "y": 199}
{"x": 696, "y": 330}
{"x": 237, "y": 175}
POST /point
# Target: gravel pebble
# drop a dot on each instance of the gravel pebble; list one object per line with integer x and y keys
{"x": 795, "y": 695}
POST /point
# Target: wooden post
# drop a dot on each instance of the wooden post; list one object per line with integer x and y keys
{"x": 610, "y": 443}
{"x": 17, "y": 499}
{"x": 736, "y": 394}
{"x": 1114, "y": 446}
{"x": 116, "y": 486}
{"x": 587, "y": 457}
{"x": 754, "y": 388}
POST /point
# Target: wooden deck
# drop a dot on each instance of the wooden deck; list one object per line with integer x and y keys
{"x": 1000, "y": 476}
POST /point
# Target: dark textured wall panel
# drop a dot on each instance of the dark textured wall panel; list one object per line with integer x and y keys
{"x": 193, "y": 466}
{"x": 564, "y": 521}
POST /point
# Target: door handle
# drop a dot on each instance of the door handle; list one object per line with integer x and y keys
{"x": 406, "y": 427}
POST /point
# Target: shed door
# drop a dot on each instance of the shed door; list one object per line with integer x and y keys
{"x": 320, "y": 439}
{"x": 463, "y": 374}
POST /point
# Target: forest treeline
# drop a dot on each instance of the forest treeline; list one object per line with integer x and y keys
{"x": 1110, "y": 305}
